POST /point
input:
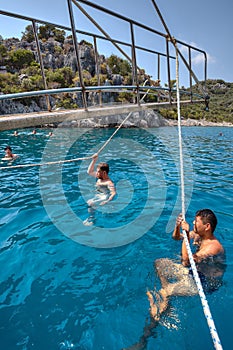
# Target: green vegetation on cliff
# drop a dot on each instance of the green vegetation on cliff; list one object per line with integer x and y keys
{"x": 220, "y": 104}
{"x": 20, "y": 71}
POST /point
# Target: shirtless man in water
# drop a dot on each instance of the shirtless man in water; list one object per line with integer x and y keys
{"x": 209, "y": 258}
{"x": 8, "y": 154}
{"x": 104, "y": 186}
{"x": 176, "y": 278}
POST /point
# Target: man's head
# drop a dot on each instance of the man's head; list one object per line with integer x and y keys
{"x": 102, "y": 170}
{"x": 206, "y": 216}
{"x": 8, "y": 148}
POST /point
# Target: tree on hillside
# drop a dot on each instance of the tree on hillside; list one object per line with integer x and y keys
{"x": 20, "y": 58}
{"x": 28, "y": 34}
{"x": 44, "y": 32}
{"x": 9, "y": 83}
{"x": 3, "y": 54}
{"x": 172, "y": 82}
{"x": 118, "y": 65}
{"x": 84, "y": 42}
{"x": 50, "y": 31}
{"x": 125, "y": 67}
{"x": 61, "y": 77}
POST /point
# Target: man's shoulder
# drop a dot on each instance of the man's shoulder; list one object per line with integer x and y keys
{"x": 108, "y": 181}
{"x": 219, "y": 247}
{"x": 213, "y": 247}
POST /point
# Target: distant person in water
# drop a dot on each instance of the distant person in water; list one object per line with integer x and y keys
{"x": 8, "y": 154}
{"x": 16, "y": 133}
{"x": 104, "y": 187}
{"x": 177, "y": 278}
{"x": 34, "y": 132}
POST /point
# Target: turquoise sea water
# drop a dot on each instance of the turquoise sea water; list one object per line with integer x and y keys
{"x": 67, "y": 286}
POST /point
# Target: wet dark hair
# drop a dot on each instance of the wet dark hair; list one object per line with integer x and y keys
{"x": 208, "y": 217}
{"x": 7, "y": 147}
{"x": 103, "y": 167}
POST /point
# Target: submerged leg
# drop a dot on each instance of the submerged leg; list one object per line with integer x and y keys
{"x": 91, "y": 210}
{"x": 155, "y": 311}
{"x": 175, "y": 280}
{"x": 162, "y": 303}
{"x": 169, "y": 271}
{"x": 147, "y": 333}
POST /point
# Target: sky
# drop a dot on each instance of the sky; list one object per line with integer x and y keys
{"x": 202, "y": 24}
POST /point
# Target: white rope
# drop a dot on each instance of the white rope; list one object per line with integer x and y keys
{"x": 67, "y": 160}
{"x": 118, "y": 128}
{"x": 206, "y": 309}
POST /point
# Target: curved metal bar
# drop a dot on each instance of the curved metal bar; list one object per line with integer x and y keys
{"x": 112, "y": 88}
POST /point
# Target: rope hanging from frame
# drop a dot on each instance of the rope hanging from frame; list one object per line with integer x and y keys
{"x": 206, "y": 309}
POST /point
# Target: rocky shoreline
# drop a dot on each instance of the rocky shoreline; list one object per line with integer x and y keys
{"x": 146, "y": 118}
{"x": 142, "y": 119}
{"x": 201, "y": 122}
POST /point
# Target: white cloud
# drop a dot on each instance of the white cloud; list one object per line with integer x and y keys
{"x": 197, "y": 57}
{"x": 210, "y": 59}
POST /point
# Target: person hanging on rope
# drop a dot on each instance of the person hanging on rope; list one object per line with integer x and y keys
{"x": 104, "y": 187}
{"x": 209, "y": 258}
{"x": 177, "y": 278}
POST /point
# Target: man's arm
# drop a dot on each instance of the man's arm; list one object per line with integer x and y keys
{"x": 176, "y": 233}
{"x": 112, "y": 191}
{"x": 184, "y": 252}
{"x": 91, "y": 167}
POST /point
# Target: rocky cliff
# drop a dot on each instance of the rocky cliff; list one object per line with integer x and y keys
{"x": 56, "y": 55}
{"x": 142, "y": 119}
